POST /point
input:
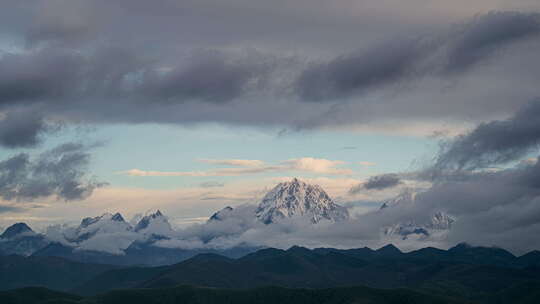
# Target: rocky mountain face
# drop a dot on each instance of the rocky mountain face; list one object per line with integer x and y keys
{"x": 299, "y": 199}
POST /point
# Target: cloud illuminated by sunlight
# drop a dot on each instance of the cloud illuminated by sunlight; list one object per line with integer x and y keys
{"x": 304, "y": 164}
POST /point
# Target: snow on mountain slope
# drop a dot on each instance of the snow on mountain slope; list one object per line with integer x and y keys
{"x": 154, "y": 223}
{"x": 297, "y": 198}
{"x": 438, "y": 224}
{"x": 103, "y": 224}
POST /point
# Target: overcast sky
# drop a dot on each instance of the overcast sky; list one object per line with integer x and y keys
{"x": 193, "y": 105}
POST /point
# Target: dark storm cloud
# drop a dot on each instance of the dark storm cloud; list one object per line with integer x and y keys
{"x": 63, "y": 77}
{"x": 38, "y": 76}
{"x": 210, "y": 76}
{"x": 406, "y": 59}
{"x": 494, "y": 143}
{"x": 359, "y": 72}
{"x": 60, "y": 171}
{"x": 382, "y": 181}
{"x": 22, "y": 129}
{"x": 178, "y": 62}
{"x": 487, "y": 34}
{"x": 491, "y": 207}
{"x": 60, "y": 23}
{"x": 377, "y": 182}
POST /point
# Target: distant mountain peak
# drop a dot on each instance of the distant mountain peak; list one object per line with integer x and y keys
{"x": 297, "y": 198}
{"x": 221, "y": 214}
{"x": 153, "y": 213}
{"x": 154, "y": 222}
{"x": 437, "y": 224}
{"x": 118, "y": 217}
{"x": 105, "y": 223}
{"x": 87, "y": 221}
{"x": 15, "y": 230}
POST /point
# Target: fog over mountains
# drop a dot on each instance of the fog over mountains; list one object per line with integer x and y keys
{"x": 294, "y": 209}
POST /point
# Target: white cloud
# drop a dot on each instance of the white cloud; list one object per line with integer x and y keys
{"x": 234, "y": 162}
{"x": 304, "y": 164}
{"x": 317, "y": 165}
{"x": 218, "y": 172}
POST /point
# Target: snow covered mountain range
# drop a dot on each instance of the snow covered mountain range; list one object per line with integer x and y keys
{"x": 90, "y": 234}
{"x": 151, "y": 235}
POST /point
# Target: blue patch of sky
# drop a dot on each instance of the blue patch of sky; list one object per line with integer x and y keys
{"x": 154, "y": 147}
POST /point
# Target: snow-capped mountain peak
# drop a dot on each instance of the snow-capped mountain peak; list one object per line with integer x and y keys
{"x": 105, "y": 223}
{"x": 297, "y": 198}
{"x": 154, "y": 223}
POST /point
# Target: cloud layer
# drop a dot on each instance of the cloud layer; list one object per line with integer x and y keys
{"x": 377, "y": 182}
{"x": 60, "y": 171}
{"x": 494, "y": 143}
{"x": 89, "y": 68}
{"x": 304, "y": 164}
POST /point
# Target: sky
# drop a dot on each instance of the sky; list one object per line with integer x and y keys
{"x": 190, "y": 106}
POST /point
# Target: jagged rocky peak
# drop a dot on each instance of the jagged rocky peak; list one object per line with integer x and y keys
{"x": 297, "y": 198}
{"x": 105, "y": 223}
{"x": 154, "y": 222}
{"x": 16, "y": 230}
{"x": 221, "y": 214}
{"x": 117, "y": 217}
{"x": 87, "y": 221}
